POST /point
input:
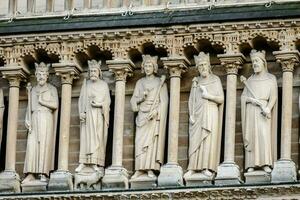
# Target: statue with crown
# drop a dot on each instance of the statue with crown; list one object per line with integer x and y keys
{"x": 41, "y": 122}
{"x": 150, "y": 101}
{"x": 94, "y": 106}
{"x": 205, "y": 124}
{"x": 259, "y": 119}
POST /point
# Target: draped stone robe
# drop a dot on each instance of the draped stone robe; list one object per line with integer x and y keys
{"x": 41, "y": 140}
{"x": 150, "y": 134}
{"x": 259, "y": 132}
{"x": 93, "y": 132}
{"x": 206, "y": 131}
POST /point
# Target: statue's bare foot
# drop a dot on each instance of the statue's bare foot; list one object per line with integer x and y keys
{"x": 250, "y": 169}
{"x": 151, "y": 174}
{"x": 267, "y": 169}
{"x": 43, "y": 178}
{"x": 28, "y": 178}
{"x": 80, "y": 167}
{"x": 189, "y": 173}
{"x": 137, "y": 174}
{"x": 208, "y": 173}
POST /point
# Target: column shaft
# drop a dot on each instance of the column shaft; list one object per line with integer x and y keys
{"x": 174, "y": 119}
{"x": 230, "y": 118}
{"x": 66, "y": 97}
{"x": 118, "y": 123}
{"x": 10, "y": 159}
{"x": 286, "y": 120}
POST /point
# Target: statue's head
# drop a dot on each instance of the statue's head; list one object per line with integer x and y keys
{"x": 203, "y": 64}
{"x": 149, "y": 65}
{"x": 94, "y": 70}
{"x": 42, "y": 73}
{"x": 259, "y": 62}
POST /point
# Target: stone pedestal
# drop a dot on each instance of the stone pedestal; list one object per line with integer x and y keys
{"x": 34, "y": 186}
{"x": 9, "y": 182}
{"x": 228, "y": 174}
{"x": 257, "y": 176}
{"x": 284, "y": 171}
{"x": 115, "y": 178}
{"x": 60, "y": 180}
{"x": 88, "y": 179}
{"x": 143, "y": 182}
{"x": 170, "y": 175}
{"x": 198, "y": 179}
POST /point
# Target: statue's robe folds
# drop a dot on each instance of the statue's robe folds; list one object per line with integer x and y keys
{"x": 259, "y": 132}
{"x": 40, "y": 149}
{"x": 93, "y": 131}
{"x": 150, "y": 134}
{"x": 206, "y": 131}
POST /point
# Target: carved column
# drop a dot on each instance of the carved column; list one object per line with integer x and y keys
{"x": 116, "y": 176}
{"x": 62, "y": 178}
{"x": 285, "y": 169}
{"x": 9, "y": 179}
{"x": 171, "y": 173}
{"x": 228, "y": 172}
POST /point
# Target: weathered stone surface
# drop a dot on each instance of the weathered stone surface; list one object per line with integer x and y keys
{"x": 257, "y": 176}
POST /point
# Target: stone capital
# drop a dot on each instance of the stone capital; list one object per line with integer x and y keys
{"x": 67, "y": 71}
{"x": 121, "y": 68}
{"x": 288, "y": 59}
{"x": 14, "y": 74}
{"x": 176, "y": 65}
{"x": 232, "y": 62}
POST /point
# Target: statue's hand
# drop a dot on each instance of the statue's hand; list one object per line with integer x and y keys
{"x": 205, "y": 94}
{"x": 152, "y": 115}
{"x": 82, "y": 117}
{"x": 266, "y": 111}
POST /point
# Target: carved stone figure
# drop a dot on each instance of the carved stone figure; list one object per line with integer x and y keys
{"x": 94, "y": 106}
{"x": 205, "y": 124}
{"x": 41, "y": 122}
{"x": 259, "y": 115}
{"x": 150, "y": 101}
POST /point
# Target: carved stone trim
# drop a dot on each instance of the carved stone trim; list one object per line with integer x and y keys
{"x": 67, "y": 71}
{"x": 286, "y": 191}
{"x": 232, "y": 62}
{"x": 120, "y": 68}
{"x": 14, "y": 75}
{"x": 176, "y": 65}
{"x": 288, "y": 59}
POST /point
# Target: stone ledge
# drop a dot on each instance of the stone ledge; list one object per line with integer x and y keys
{"x": 287, "y": 191}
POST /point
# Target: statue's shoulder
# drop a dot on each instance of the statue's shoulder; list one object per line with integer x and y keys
{"x": 51, "y": 87}
{"x": 271, "y": 76}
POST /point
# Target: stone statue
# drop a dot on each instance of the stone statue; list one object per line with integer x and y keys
{"x": 41, "y": 122}
{"x": 205, "y": 123}
{"x": 150, "y": 100}
{"x": 94, "y": 106}
{"x": 259, "y": 115}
